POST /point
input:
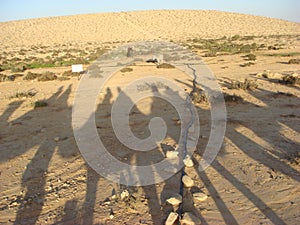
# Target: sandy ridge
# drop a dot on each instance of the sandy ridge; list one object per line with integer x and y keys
{"x": 139, "y": 25}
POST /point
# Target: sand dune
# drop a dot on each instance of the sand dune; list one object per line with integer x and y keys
{"x": 140, "y": 25}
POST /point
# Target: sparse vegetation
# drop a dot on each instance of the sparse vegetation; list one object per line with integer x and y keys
{"x": 126, "y": 70}
{"x": 69, "y": 73}
{"x": 294, "y": 61}
{"x": 244, "y": 85}
{"x": 247, "y": 64}
{"x": 2, "y": 77}
{"x": 198, "y": 96}
{"x": 235, "y": 37}
{"x": 39, "y": 104}
{"x": 273, "y": 48}
{"x": 220, "y": 45}
{"x": 23, "y": 94}
{"x": 31, "y": 76}
{"x": 63, "y": 78}
{"x": 289, "y": 80}
{"x": 47, "y": 76}
{"x": 18, "y": 68}
{"x": 290, "y": 54}
{"x": 250, "y": 57}
{"x": 165, "y": 66}
{"x": 211, "y": 53}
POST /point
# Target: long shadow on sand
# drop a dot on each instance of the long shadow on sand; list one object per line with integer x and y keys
{"x": 34, "y": 178}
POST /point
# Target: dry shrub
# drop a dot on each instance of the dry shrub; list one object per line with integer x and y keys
{"x": 70, "y": 73}
{"x": 294, "y": 61}
{"x": 126, "y": 70}
{"x": 245, "y": 85}
{"x": 250, "y": 57}
{"x": 2, "y": 77}
{"x": 198, "y": 96}
{"x": 63, "y": 78}
{"x": 165, "y": 66}
{"x": 24, "y": 94}
{"x": 289, "y": 80}
{"x": 32, "y": 76}
{"x": 47, "y": 76}
{"x": 39, "y": 104}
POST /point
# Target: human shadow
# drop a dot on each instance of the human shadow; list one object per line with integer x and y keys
{"x": 35, "y": 174}
{"x": 156, "y": 195}
{"x": 274, "y": 160}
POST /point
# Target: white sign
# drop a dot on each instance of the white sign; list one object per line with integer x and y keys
{"x": 77, "y": 68}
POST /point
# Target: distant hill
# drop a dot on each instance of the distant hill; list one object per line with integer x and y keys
{"x": 139, "y": 25}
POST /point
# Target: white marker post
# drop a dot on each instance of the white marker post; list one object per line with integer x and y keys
{"x": 77, "y": 68}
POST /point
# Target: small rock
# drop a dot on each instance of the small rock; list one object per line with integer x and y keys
{"x": 171, "y": 218}
{"x": 188, "y": 162}
{"x": 190, "y": 219}
{"x": 175, "y": 200}
{"x": 172, "y": 154}
{"x": 259, "y": 74}
{"x": 199, "y": 196}
{"x": 124, "y": 194}
{"x": 175, "y": 118}
{"x": 56, "y": 139}
{"x": 187, "y": 181}
{"x": 113, "y": 197}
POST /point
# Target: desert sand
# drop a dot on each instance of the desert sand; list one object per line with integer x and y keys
{"x": 255, "y": 178}
{"x": 144, "y": 25}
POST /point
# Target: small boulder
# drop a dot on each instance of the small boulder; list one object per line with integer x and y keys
{"x": 188, "y": 162}
{"x": 187, "y": 181}
{"x": 124, "y": 195}
{"x": 175, "y": 200}
{"x": 172, "y": 154}
{"x": 171, "y": 218}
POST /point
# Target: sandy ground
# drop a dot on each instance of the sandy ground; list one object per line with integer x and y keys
{"x": 254, "y": 180}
